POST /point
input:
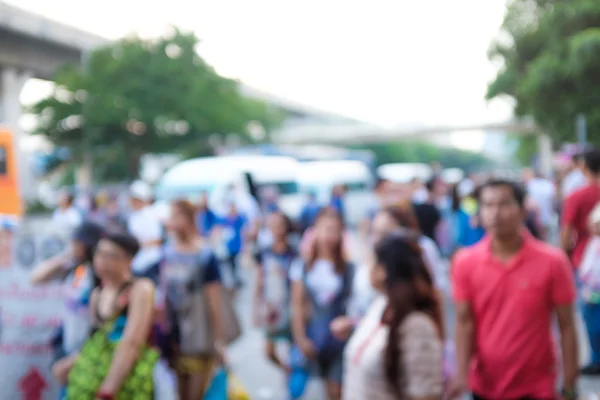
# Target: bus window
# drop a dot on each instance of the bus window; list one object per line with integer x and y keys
{"x": 356, "y": 186}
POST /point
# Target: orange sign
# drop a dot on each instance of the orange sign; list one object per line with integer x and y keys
{"x": 10, "y": 201}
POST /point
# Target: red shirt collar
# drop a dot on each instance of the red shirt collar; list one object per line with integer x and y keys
{"x": 528, "y": 240}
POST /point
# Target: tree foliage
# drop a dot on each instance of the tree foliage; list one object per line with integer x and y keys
{"x": 550, "y": 50}
{"x": 137, "y": 96}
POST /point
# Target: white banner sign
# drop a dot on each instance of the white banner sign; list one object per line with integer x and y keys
{"x": 29, "y": 316}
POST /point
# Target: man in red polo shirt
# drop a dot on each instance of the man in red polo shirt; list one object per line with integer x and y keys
{"x": 507, "y": 289}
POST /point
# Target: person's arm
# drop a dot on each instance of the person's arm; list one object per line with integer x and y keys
{"x": 258, "y": 295}
{"x": 569, "y": 345}
{"x": 213, "y": 288}
{"x": 51, "y": 269}
{"x": 137, "y": 330}
{"x": 564, "y": 296}
{"x": 567, "y": 232}
{"x": 465, "y": 322}
{"x": 298, "y": 309}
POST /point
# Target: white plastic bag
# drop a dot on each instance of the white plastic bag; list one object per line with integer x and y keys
{"x": 165, "y": 382}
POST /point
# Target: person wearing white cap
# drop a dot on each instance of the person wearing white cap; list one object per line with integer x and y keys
{"x": 145, "y": 225}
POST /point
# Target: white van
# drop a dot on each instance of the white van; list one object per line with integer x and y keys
{"x": 216, "y": 175}
{"x": 319, "y": 177}
{"x": 405, "y": 172}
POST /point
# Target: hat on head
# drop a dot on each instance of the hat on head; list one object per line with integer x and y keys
{"x": 140, "y": 190}
{"x": 88, "y": 233}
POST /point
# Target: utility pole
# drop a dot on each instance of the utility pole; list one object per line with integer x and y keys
{"x": 581, "y": 125}
{"x": 85, "y": 174}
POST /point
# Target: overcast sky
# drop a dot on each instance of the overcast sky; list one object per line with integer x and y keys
{"x": 390, "y": 62}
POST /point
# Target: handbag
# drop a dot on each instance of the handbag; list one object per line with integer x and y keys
{"x": 225, "y": 386}
{"x": 95, "y": 360}
{"x": 191, "y": 322}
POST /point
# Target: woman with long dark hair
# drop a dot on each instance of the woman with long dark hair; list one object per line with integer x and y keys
{"x": 396, "y": 351}
{"x": 321, "y": 287}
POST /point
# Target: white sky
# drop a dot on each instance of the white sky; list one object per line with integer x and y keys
{"x": 390, "y": 62}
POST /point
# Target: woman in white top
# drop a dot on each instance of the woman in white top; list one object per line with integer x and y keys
{"x": 396, "y": 351}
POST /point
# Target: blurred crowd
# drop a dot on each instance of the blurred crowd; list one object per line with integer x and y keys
{"x": 361, "y": 309}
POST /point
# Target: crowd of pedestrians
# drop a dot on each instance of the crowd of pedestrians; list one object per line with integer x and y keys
{"x": 148, "y": 291}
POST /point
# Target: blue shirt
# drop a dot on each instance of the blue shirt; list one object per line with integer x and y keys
{"x": 309, "y": 214}
{"x": 338, "y": 203}
{"x": 233, "y": 228}
{"x": 467, "y": 234}
{"x": 205, "y": 221}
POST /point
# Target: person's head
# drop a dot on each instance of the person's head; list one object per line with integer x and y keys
{"x": 382, "y": 186}
{"x": 390, "y": 219}
{"x": 113, "y": 256}
{"x": 400, "y": 273}
{"x": 203, "y": 202}
{"x": 502, "y": 207}
{"x": 311, "y": 196}
{"x": 182, "y": 221}
{"x": 102, "y": 199}
{"x": 140, "y": 195}
{"x": 576, "y": 161}
{"x": 65, "y": 199}
{"x": 591, "y": 162}
{"x": 232, "y": 208}
{"x": 280, "y": 225}
{"x": 338, "y": 190}
{"x": 527, "y": 174}
{"x": 84, "y": 241}
{"x": 436, "y": 186}
{"x": 328, "y": 239}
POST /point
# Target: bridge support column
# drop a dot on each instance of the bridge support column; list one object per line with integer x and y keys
{"x": 12, "y": 81}
{"x": 545, "y": 154}
{"x": 11, "y": 84}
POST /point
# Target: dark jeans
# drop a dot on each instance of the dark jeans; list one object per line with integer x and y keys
{"x": 591, "y": 317}
{"x": 476, "y": 397}
{"x": 232, "y": 261}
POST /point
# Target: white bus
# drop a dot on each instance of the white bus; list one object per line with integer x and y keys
{"x": 319, "y": 177}
{"x": 405, "y": 172}
{"x": 216, "y": 175}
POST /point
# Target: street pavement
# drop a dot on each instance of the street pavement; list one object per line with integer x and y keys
{"x": 265, "y": 382}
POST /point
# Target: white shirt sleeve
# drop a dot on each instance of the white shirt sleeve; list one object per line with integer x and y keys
{"x": 590, "y": 260}
{"x": 433, "y": 260}
{"x": 75, "y": 217}
{"x": 296, "y": 270}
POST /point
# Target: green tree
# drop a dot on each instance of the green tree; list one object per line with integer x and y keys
{"x": 550, "y": 51}
{"x": 143, "y": 96}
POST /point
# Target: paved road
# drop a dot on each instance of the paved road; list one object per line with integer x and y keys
{"x": 264, "y": 382}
